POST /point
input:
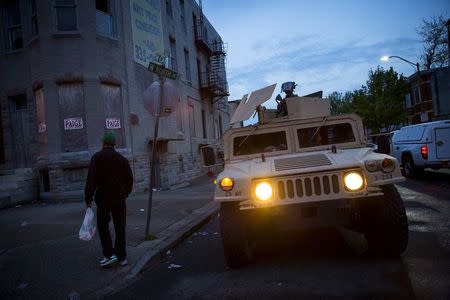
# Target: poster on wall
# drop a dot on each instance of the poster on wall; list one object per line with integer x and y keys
{"x": 42, "y": 127}
{"x": 73, "y": 123}
{"x": 147, "y": 34}
{"x": 112, "y": 123}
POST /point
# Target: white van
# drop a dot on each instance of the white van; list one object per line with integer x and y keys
{"x": 421, "y": 146}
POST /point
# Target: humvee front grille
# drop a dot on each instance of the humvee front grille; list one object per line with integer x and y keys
{"x": 300, "y": 162}
{"x": 319, "y": 185}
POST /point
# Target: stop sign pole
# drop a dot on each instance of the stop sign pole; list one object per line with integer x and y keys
{"x": 162, "y": 74}
{"x": 154, "y": 151}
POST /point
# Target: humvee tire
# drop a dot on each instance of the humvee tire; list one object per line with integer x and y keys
{"x": 234, "y": 238}
{"x": 387, "y": 232}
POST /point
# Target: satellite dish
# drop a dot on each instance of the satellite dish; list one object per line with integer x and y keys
{"x": 248, "y": 104}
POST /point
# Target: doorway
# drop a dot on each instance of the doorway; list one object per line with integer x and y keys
{"x": 20, "y": 130}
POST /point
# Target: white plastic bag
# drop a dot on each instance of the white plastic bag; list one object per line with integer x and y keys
{"x": 87, "y": 229}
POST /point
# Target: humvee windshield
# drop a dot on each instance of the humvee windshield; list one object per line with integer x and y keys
{"x": 260, "y": 143}
{"x": 325, "y": 135}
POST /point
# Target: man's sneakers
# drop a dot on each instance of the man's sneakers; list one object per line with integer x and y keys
{"x": 106, "y": 262}
{"x": 123, "y": 262}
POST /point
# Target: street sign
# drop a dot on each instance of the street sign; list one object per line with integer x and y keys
{"x": 162, "y": 71}
{"x": 170, "y": 97}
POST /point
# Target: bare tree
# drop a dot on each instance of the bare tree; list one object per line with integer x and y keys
{"x": 433, "y": 32}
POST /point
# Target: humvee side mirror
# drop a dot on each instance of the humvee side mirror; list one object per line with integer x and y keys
{"x": 212, "y": 155}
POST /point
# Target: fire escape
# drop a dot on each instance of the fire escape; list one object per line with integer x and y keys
{"x": 213, "y": 82}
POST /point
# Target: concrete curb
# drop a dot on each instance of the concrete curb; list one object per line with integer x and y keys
{"x": 167, "y": 239}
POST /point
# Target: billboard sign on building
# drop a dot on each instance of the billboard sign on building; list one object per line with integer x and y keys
{"x": 146, "y": 24}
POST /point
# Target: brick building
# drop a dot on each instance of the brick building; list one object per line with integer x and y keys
{"x": 429, "y": 96}
{"x": 68, "y": 73}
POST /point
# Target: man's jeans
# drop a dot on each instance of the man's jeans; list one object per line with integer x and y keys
{"x": 118, "y": 213}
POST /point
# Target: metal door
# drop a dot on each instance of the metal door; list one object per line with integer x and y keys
{"x": 442, "y": 140}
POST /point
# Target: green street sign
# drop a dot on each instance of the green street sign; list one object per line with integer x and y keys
{"x": 161, "y": 70}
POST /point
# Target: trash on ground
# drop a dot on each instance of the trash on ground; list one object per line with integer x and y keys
{"x": 174, "y": 267}
{"x": 216, "y": 233}
{"x": 168, "y": 252}
{"x": 22, "y": 285}
{"x": 141, "y": 209}
{"x": 24, "y": 223}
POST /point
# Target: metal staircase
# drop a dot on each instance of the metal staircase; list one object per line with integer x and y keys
{"x": 213, "y": 82}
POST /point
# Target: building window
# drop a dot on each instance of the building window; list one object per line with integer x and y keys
{"x": 187, "y": 66}
{"x": 34, "y": 29}
{"x": 204, "y": 123}
{"x": 72, "y": 114}
{"x": 105, "y": 17}
{"x": 416, "y": 95}
{"x": 169, "y": 7}
{"x": 13, "y": 25}
{"x": 182, "y": 16}
{"x": 199, "y": 73}
{"x": 65, "y": 15}
{"x": 113, "y": 112}
{"x": 180, "y": 110}
{"x": 220, "y": 126}
{"x": 20, "y": 101}
{"x": 194, "y": 21}
{"x": 173, "y": 54}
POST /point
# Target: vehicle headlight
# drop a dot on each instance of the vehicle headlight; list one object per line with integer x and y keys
{"x": 353, "y": 181}
{"x": 371, "y": 165}
{"x": 387, "y": 165}
{"x": 226, "y": 184}
{"x": 263, "y": 191}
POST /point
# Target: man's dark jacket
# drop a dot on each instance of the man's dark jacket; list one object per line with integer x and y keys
{"x": 109, "y": 177}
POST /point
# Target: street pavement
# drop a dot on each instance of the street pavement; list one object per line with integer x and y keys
{"x": 41, "y": 256}
{"x": 320, "y": 264}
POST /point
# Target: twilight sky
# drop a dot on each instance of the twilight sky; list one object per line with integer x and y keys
{"x": 321, "y": 45}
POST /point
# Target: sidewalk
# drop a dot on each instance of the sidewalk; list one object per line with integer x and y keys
{"x": 41, "y": 255}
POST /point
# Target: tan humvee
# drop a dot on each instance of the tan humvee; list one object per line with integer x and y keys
{"x": 308, "y": 169}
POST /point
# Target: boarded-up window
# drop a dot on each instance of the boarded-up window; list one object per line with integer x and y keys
{"x": 113, "y": 112}
{"x": 72, "y": 114}
{"x": 41, "y": 121}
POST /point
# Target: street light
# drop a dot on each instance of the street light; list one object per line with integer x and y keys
{"x": 415, "y": 65}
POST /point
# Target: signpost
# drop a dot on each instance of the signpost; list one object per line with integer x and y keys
{"x": 162, "y": 73}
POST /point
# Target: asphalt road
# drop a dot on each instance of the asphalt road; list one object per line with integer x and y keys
{"x": 315, "y": 264}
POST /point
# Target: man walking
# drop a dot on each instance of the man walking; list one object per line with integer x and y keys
{"x": 111, "y": 180}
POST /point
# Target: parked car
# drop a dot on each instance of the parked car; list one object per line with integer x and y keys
{"x": 421, "y": 146}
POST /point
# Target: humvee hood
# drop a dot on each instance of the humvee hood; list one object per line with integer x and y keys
{"x": 296, "y": 163}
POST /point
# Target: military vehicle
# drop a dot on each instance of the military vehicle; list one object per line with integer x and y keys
{"x": 304, "y": 169}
